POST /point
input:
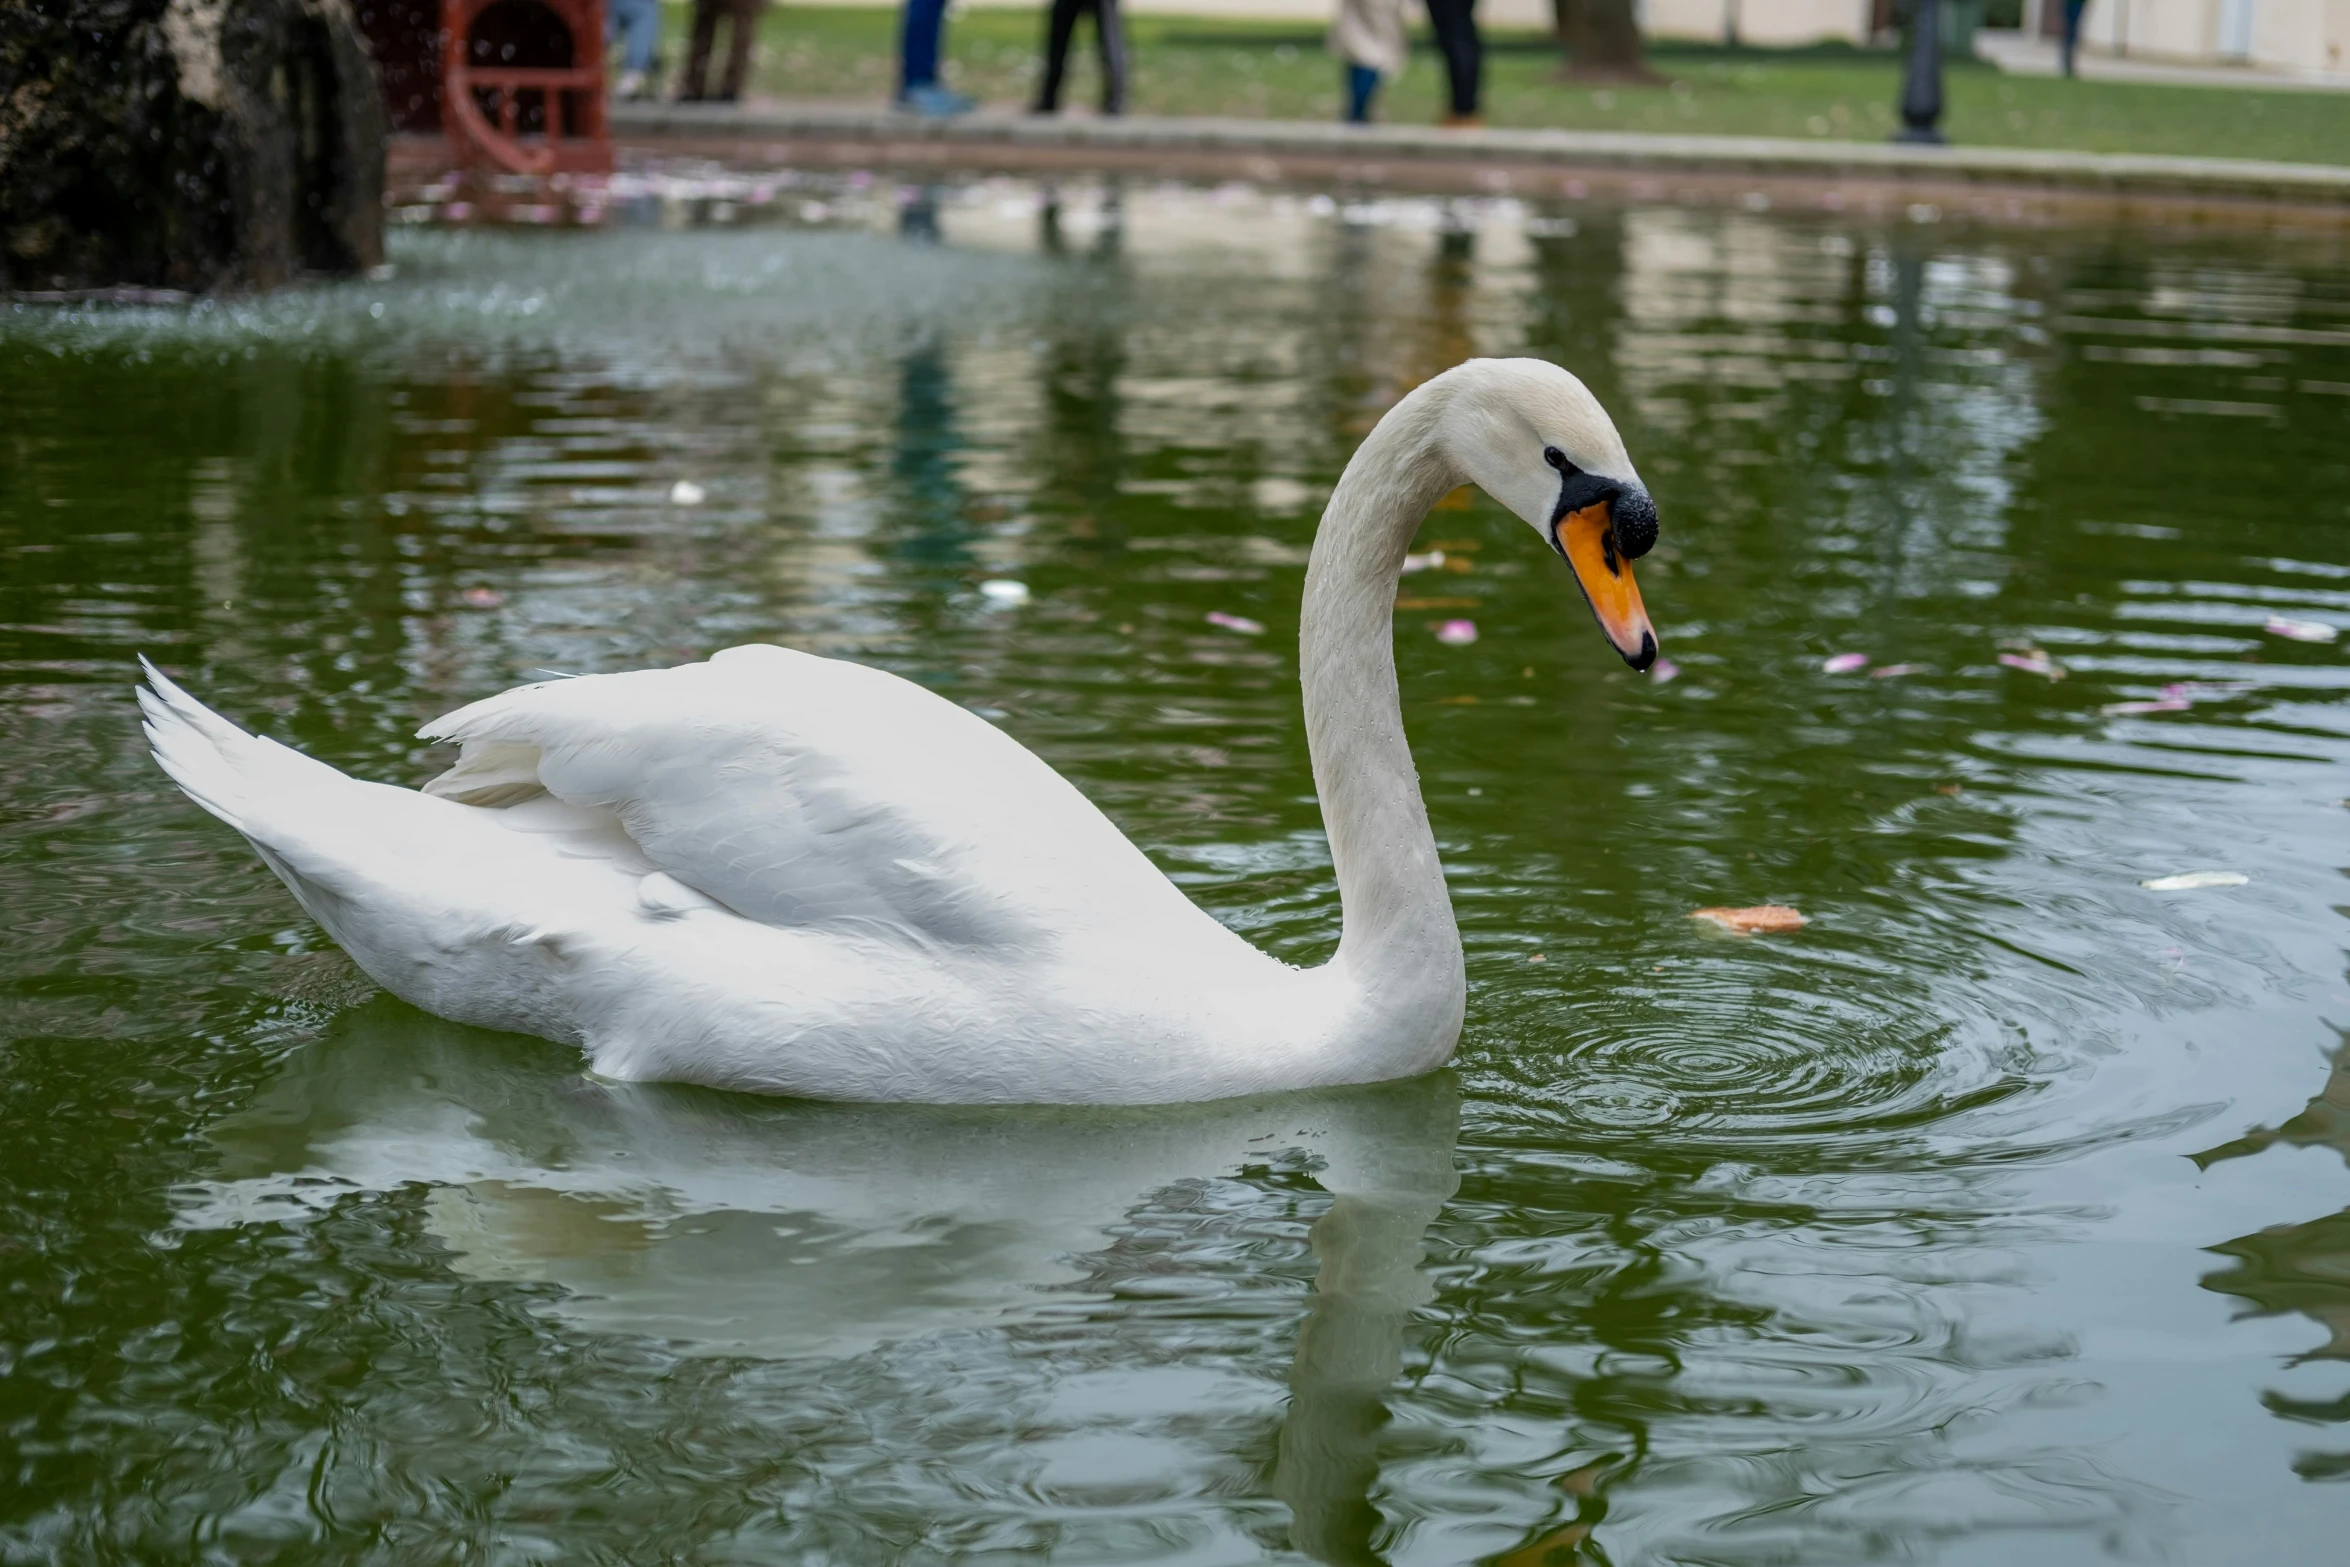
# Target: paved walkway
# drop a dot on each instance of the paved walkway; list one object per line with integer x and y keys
{"x": 1405, "y": 156}
{"x": 2019, "y": 54}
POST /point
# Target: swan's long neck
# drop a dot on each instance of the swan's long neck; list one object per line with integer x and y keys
{"x": 1400, "y": 947}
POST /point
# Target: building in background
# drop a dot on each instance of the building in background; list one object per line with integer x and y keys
{"x": 1765, "y": 23}
{"x": 2308, "y": 38}
{"x": 2297, "y": 37}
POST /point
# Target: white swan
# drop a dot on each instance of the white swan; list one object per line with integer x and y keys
{"x": 796, "y": 875}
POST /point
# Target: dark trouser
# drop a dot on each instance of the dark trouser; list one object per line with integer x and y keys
{"x": 745, "y": 14}
{"x": 2072, "y": 31}
{"x": 1455, "y": 24}
{"x": 921, "y": 31}
{"x": 1059, "y": 27}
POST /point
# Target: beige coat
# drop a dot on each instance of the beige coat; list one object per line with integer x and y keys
{"x": 1371, "y": 32}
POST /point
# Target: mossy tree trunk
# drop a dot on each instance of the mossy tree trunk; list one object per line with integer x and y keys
{"x": 186, "y": 144}
{"x": 1602, "y": 40}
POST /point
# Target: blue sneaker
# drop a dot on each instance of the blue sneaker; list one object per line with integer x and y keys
{"x": 933, "y": 102}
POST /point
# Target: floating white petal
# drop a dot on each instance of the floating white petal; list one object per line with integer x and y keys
{"x": 2300, "y": 630}
{"x": 2195, "y": 881}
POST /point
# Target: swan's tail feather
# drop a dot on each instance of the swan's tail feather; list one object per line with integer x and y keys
{"x": 216, "y": 764}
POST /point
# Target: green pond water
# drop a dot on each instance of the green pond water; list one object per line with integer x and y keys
{"x": 2002, "y": 1214}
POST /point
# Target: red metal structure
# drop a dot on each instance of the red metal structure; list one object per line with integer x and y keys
{"x": 522, "y": 84}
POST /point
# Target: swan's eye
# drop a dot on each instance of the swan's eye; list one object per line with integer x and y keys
{"x": 1557, "y": 459}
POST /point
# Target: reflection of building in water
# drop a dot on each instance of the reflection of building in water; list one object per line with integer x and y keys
{"x": 2303, "y": 1267}
{"x": 1078, "y": 454}
{"x": 1770, "y": 346}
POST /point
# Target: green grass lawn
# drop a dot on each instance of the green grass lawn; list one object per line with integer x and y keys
{"x": 1191, "y": 66}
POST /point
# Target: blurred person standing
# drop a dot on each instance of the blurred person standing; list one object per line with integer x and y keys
{"x": 1368, "y": 38}
{"x": 2072, "y": 32}
{"x": 637, "y": 24}
{"x": 743, "y": 16}
{"x": 1455, "y": 25}
{"x": 1060, "y": 27}
{"x": 920, "y": 37}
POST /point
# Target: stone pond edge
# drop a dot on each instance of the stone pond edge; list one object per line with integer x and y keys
{"x": 1398, "y": 152}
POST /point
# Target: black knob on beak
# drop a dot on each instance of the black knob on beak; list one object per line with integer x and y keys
{"x": 1632, "y": 518}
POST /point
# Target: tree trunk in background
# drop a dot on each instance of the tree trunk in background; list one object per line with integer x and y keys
{"x": 186, "y": 144}
{"x": 1602, "y": 41}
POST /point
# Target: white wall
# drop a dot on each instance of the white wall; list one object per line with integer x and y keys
{"x": 2302, "y": 36}
{"x": 2296, "y": 35}
{"x": 1760, "y": 21}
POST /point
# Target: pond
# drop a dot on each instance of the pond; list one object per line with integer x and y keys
{"x": 2001, "y": 1213}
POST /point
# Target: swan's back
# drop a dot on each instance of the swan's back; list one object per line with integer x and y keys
{"x": 803, "y": 791}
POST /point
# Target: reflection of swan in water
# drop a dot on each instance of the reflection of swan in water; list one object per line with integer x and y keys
{"x": 1348, "y": 1352}
{"x": 733, "y": 1225}
{"x": 2302, "y": 1267}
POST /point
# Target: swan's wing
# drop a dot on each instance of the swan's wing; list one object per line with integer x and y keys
{"x": 799, "y": 790}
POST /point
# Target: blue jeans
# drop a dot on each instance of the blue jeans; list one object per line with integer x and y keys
{"x": 918, "y": 43}
{"x": 639, "y": 22}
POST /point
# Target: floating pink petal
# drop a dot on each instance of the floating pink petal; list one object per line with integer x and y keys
{"x": 1896, "y": 671}
{"x": 1457, "y": 633}
{"x": 1240, "y": 623}
{"x": 1662, "y": 670}
{"x": 2034, "y": 662}
{"x": 1845, "y": 663}
{"x": 2300, "y": 630}
{"x": 481, "y": 598}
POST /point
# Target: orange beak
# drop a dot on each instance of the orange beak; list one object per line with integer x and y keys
{"x": 1587, "y": 538}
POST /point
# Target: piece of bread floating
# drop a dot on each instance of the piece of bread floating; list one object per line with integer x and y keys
{"x": 1761, "y": 919}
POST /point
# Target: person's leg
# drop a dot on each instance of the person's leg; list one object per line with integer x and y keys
{"x": 637, "y": 25}
{"x": 697, "y": 59}
{"x": 919, "y": 89}
{"x": 644, "y": 35}
{"x": 1455, "y": 26}
{"x": 1060, "y": 25}
{"x": 741, "y": 41}
{"x": 918, "y": 44}
{"x": 1110, "y": 33}
{"x": 1362, "y": 85}
{"x": 2072, "y": 31}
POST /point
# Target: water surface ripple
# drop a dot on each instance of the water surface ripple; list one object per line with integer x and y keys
{"x": 2002, "y": 1213}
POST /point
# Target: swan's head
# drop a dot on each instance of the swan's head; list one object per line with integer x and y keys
{"x": 1534, "y": 438}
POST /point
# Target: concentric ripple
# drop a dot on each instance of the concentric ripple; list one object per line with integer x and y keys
{"x": 1726, "y": 1053}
